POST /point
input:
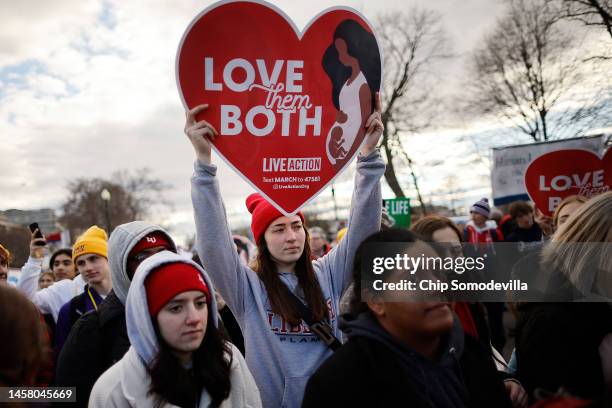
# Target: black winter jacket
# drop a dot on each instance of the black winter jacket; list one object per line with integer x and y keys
{"x": 97, "y": 341}
{"x": 557, "y": 346}
{"x": 366, "y": 373}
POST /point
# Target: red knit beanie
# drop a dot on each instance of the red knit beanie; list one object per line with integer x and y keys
{"x": 263, "y": 213}
{"x": 169, "y": 280}
{"x": 151, "y": 240}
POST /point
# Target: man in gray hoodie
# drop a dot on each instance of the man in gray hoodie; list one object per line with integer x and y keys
{"x": 99, "y": 338}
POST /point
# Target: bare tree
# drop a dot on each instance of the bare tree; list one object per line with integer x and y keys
{"x": 451, "y": 189}
{"x": 529, "y": 72}
{"x": 589, "y": 12}
{"x": 413, "y": 42}
{"x": 132, "y": 197}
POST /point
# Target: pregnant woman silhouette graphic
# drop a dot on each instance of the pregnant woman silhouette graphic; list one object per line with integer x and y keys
{"x": 352, "y": 62}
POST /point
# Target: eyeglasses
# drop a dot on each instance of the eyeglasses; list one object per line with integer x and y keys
{"x": 141, "y": 256}
{"x": 136, "y": 260}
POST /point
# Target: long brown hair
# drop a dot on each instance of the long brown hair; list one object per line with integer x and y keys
{"x": 426, "y": 227}
{"x": 212, "y": 361}
{"x": 23, "y": 351}
{"x": 280, "y": 301}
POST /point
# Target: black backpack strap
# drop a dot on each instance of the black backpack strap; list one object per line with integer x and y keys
{"x": 321, "y": 329}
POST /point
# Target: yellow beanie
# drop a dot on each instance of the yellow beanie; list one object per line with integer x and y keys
{"x": 5, "y": 253}
{"x": 93, "y": 241}
{"x": 341, "y": 234}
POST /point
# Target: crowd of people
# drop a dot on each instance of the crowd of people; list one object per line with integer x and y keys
{"x": 281, "y": 321}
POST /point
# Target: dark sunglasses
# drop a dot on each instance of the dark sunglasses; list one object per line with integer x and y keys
{"x": 141, "y": 256}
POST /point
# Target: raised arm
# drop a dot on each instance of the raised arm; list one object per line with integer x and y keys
{"x": 28, "y": 281}
{"x": 366, "y": 205}
{"x": 51, "y": 299}
{"x": 30, "y": 272}
{"x": 214, "y": 240}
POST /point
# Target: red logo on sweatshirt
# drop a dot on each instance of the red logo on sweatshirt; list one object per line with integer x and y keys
{"x": 280, "y": 326}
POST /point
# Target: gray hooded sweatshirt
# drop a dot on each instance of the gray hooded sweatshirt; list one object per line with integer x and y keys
{"x": 127, "y": 383}
{"x": 121, "y": 242}
{"x": 280, "y": 357}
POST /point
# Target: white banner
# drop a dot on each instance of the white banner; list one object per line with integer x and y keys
{"x": 509, "y": 164}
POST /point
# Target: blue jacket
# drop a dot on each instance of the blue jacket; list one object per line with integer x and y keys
{"x": 71, "y": 311}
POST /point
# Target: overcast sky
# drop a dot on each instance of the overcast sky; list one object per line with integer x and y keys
{"x": 88, "y": 88}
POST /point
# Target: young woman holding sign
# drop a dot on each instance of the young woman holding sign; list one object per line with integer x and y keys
{"x": 282, "y": 351}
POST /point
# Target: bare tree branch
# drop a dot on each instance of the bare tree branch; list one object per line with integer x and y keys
{"x": 413, "y": 42}
{"x": 528, "y": 73}
{"x": 588, "y": 12}
{"x": 133, "y": 196}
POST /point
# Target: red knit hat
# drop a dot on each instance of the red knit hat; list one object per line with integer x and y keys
{"x": 169, "y": 280}
{"x": 263, "y": 213}
{"x": 153, "y": 239}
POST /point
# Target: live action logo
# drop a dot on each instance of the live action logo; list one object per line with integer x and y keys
{"x": 271, "y": 164}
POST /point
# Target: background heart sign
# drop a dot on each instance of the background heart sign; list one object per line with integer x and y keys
{"x": 290, "y": 106}
{"x": 553, "y": 176}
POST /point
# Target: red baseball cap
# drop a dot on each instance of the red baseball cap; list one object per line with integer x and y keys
{"x": 151, "y": 240}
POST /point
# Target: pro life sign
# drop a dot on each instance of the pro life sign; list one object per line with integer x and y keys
{"x": 290, "y": 106}
{"x": 553, "y": 176}
{"x": 398, "y": 209}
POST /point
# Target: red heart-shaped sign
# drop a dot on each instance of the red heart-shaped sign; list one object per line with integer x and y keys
{"x": 553, "y": 176}
{"x": 290, "y": 108}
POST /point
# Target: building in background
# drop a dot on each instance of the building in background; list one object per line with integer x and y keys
{"x": 45, "y": 217}
{"x": 15, "y": 233}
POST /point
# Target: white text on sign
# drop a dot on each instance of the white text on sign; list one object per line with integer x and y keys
{"x": 291, "y": 164}
{"x": 398, "y": 207}
{"x": 289, "y": 105}
{"x": 587, "y": 184}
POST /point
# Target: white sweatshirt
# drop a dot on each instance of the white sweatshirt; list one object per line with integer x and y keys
{"x": 51, "y": 299}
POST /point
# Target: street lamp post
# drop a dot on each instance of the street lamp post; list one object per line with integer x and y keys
{"x": 106, "y": 197}
{"x": 333, "y": 191}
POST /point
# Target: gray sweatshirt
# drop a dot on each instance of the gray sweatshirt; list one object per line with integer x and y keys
{"x": 281, "y": 358}
{"x": 127, "y": 383}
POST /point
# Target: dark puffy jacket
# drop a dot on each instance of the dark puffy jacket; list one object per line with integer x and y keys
{"x": 97, "y": 341}
{"x": 365, "y": 373}
{"x": 557, "y": 345}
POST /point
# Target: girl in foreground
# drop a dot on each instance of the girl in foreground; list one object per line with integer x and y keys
{"x": 177, "y": 357}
